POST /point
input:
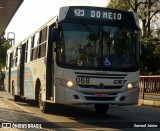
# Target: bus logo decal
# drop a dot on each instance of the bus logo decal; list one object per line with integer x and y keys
{"x": 119, "y": 82}
{"x": 101, "y": 86}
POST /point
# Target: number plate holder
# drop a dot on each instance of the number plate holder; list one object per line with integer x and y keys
{"x": 101, "y": 94}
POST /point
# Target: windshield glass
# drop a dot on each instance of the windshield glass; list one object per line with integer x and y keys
{"x": 96, "y": 46}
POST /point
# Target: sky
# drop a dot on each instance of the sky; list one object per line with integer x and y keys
{"x": 32, "y": 14}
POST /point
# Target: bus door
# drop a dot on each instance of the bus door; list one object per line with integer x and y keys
{"x": 22, "y": 69}
{"x": 50, "y": 67}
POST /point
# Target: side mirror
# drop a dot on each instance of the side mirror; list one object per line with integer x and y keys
{"x": 55, "y": 35}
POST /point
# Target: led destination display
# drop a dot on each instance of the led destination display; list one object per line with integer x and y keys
{"x": 97, "y": 14}
{"x": 112, "y": 17}
{"x": 102, "y": 14}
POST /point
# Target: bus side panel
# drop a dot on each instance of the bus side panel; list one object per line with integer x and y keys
{"x": 28, "y": 82}
{"x": 39, "y": 72}
{"x": 59, "y": 90}
{"x": 34, "y": 71}
{"x": 14, "y": 81}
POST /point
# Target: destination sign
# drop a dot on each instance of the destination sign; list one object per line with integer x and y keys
{"x": 97, "y": 14}
{"x": 112, "y": 17}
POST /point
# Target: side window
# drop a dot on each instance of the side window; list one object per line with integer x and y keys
{"x": 34, "y": 47}
{"x": 19, "y": 55}
{"x": 26, "y": 55}
{"x": 28, "y": 50}
{"x": 42, "y": 43}
{"x": 16, "y": 57}
{"x": 13, "y": 58}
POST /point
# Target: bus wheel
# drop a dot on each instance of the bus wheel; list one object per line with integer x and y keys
{"x": 101, "y": 108}
{"x": 16, "y": 98}
{"x": 42, "y": 105}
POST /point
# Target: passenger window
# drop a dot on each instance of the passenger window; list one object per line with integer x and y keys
{"x": 34, "y": 47}
{"x": 42, "y": 43}
{"x": 26, "y": 55}
{"x": 28, "y": 47}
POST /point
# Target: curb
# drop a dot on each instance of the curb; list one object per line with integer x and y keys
{"x": 22, "y": 108}
{"x": 142, "y": 102}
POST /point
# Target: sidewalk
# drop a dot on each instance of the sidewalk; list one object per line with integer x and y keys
{"x": 4, "y": 94}
{"x": 149, "y": 100}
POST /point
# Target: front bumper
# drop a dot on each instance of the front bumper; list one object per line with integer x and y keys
{"x": 129, "y": 97}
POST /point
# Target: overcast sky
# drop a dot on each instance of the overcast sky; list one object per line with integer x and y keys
{"x": 32, "y": 14}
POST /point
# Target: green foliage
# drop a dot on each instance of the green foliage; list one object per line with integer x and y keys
{"x": 150, "y": 58}
{"x": 148, "y": 11}
{"x": 118, "y": 4}
{"x": 4, "y": 46}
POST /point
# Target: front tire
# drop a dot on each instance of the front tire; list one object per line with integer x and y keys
{"x": 101, "y": 108}
{"x": 16, "y": 98}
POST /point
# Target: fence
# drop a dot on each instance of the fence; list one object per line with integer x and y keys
{"x": 150, "y": 85}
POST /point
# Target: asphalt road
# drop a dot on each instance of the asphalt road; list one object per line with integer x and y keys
{"x": 77, "y": 117}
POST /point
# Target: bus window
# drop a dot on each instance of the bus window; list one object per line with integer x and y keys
{"x": 42, "y": 43}
{"x": 26, "y": 56}
{"x": 11, "y": 58}
{"x": 28, "y": 50}
{"x": 34, "y": 46}
{"x": 16, "y": 57}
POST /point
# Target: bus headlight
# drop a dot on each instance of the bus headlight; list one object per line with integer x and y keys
{"x": 130, "y": 86}
{"x": 66, "y": 83}
{"x": 133, "y": 85}
{"x": 69, "y": 83}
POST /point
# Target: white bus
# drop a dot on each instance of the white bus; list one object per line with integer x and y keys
{"x": 85, "y": 55}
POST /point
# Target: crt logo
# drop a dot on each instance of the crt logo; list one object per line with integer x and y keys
{"x": 119, "y": 82}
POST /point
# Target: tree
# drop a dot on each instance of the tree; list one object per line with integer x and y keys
{"x": 119, "y": 4}
{"x": 150, "y": 58}
{"x": 4, "y": 46}
{"x": 146, "y": 9}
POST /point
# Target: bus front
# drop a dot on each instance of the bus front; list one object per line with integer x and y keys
{"x": 97, "y": 57}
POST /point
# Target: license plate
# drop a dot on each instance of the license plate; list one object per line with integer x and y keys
{"x": 100, "y": 94}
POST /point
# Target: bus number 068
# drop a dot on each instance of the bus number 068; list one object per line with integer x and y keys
{"x": 83, "y": 80}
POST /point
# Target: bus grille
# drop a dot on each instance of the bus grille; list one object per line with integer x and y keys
{"x": 92, "y": 97}
{"x": 100, "y": 98}
{"x": 97, "y": 87}
{"x": 101, "y": 75}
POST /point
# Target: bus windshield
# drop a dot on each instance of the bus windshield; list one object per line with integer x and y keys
{"x": 97, "y": 46}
